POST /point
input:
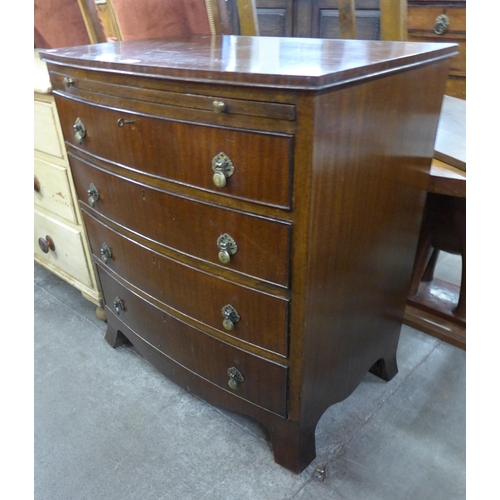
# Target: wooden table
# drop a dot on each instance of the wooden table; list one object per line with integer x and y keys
{"x": 430, "y": 310}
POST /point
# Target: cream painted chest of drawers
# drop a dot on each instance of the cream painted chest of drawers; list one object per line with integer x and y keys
{"x": 60, "y": 242}
{"x": 253, "y": 207}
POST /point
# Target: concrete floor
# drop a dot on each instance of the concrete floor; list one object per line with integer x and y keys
{"x": 108, "y": 426}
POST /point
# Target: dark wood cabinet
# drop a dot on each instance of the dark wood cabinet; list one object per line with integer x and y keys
{"x": 253, "y": 206}
{"x": 311, "y": 18}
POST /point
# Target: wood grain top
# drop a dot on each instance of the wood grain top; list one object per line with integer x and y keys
{"x": 301, "y": 63}
{"x": 450, "y": 145}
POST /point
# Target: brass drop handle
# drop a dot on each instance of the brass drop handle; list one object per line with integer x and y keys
{"x": 93, "y": 195}
{"x": 218, "y": 107}
{"x": 79, "y": 130}
{"x": 230, "y": 317}
{"x": 68, "y": 81}
{"x": 118, "y": 305}
{"x": 37, "y": 184}
{"x": 442, "y": 23}
{"x": 227, "y": 247}
{"x": 105, "y": 253}
{"x": 223, "y": 168}
{"x": 235, "y": 378}
{"x": 46, "y": 244}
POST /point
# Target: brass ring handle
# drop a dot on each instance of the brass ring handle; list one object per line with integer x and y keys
{"x": 442, "y": 23}
{"x": 105, "y": 253}
{"x": 235, "y": 378}
{"x": 68, "y": 81}
{"x": 227, "y": 247}
{"x": 218, "y": 107}
{"x": 230, "y": 317}
{"x": 118, "y": 305}
{"x": 79, "y": 130}
{"x": 46, "y": 244}
{"x": 93, "y": 195}
{"x": 223, "y": 169}
{"x": 37, "y": 184}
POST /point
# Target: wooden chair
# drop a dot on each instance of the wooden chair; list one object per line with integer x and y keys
{"x": 158, "y": 18}
{"x": 392, "y": 19}
{"x": 66, "y": 23}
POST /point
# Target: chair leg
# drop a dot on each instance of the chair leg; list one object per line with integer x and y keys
{"x": 431, "y": 266}
{"x": 421, "y": 259}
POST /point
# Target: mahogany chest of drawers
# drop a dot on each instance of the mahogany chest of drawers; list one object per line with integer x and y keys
{"x": 253, "y": 206}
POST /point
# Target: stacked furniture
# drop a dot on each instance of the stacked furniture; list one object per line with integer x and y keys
{"x": 435, "y": 306}
{"x": 253, "y": 206}
{"x": 60, "y": 241}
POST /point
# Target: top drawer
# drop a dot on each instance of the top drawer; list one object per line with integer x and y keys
{"x": 242, "y": 164}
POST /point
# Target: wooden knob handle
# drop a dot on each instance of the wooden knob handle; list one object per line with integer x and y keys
{"x": 37, "y": 184}
{"x": 46, "y": 244}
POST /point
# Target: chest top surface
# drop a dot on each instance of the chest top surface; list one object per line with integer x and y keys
{"x": 258, "y": 61}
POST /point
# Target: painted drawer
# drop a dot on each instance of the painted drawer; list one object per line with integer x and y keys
{"x": 52, "y": 190}
{"x": 68, "y": 254}
{"x": 47, "y": 138}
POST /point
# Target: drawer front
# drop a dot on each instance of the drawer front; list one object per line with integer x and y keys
{"x": 256, "y": 166}
{"x": 52, "y": 190}
{"x": 190, "y": 227}
{"x": 68, "y": 254}
{"x": 263, "y": 318}
{"x": 264, "y": 382}
{"x": 179, "y": 98}
{"x": 47, "y": 138}
{"x": 423, "y": 19}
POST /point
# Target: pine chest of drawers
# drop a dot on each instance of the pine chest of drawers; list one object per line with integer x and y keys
{"x": 60, "y": 242}
{"x": 253, "y": 207}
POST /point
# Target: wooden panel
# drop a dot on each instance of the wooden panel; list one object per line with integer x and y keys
{"x": 264, "y": 318}
{"x": 198, "y": 352}
{"x": 451, "y": 146}
{"x": 370, "y": 256}
{"x": 184, "y": 152}
{"x": 55, "y": 192}
{"x": 272, "y": 22}
{"x": 263, "y": 244}
{"x": 275, "y": 17}
{"x": 69, "y": 254}
{"x": 367, "y": 24}
{"x": 47, "y": 138}
{"x": 325, "y": 21}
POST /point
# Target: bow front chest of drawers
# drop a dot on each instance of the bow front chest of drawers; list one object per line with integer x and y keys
{"x": 253, "y": 206}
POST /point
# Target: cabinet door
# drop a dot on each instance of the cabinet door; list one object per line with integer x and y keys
{"x": 315, "y": 18}
{"x": 325, "y": 21}
{"x": 275, "y": 17}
